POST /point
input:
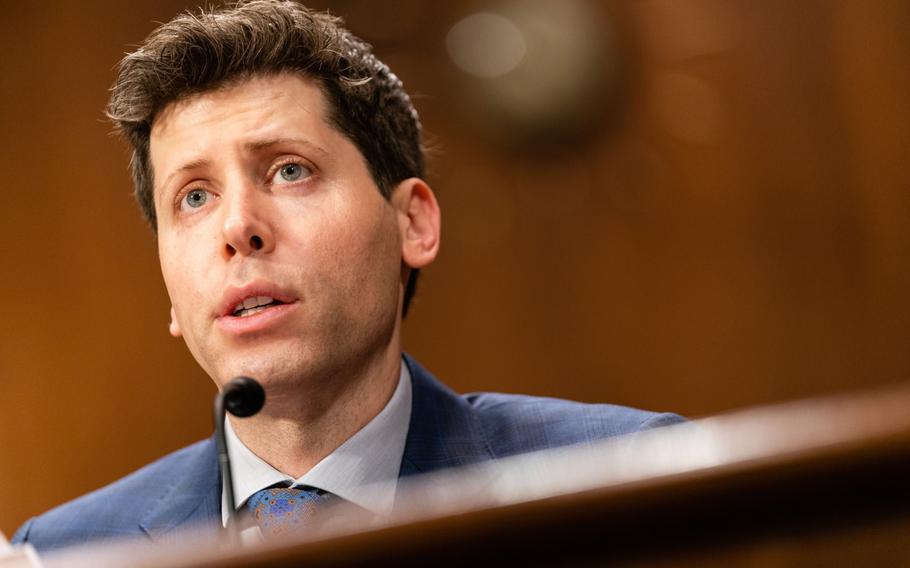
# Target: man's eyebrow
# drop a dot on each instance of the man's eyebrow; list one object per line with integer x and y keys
{"x": 265, "y": 144}
{"x": 185, "y": 167}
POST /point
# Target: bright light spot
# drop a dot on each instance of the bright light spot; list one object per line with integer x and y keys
{"x": 486, "y": 45}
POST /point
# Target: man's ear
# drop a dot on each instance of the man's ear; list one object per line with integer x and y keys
{"x": 174, "y": 327}
{"x": 419, "y": 221}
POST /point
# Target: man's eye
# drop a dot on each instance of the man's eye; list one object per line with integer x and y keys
{"x": 195, "y": 198}
{"x": 290, "y": 173}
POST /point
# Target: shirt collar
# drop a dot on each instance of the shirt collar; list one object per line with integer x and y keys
{"x": 363, "y": 470}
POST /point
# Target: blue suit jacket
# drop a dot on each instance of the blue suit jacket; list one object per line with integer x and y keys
{"x": 446, "y": 430}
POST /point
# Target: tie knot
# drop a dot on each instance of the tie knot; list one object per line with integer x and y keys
{"x": 282, "y": 510}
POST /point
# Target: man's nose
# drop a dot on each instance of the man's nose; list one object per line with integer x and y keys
{"x": 247, "y": 228}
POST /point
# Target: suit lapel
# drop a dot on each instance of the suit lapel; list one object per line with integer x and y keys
{"x": 194, "y": 498}
{"x": 443, "y": 431}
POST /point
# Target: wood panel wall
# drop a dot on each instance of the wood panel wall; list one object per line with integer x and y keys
{"x": 737, "y": 232}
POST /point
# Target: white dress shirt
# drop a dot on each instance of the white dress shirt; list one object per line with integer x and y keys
{"x": 363, "y": 470}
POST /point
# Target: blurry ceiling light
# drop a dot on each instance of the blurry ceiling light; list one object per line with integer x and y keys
{"x": 486, "y": 45}
{"x": 535, "y": 71}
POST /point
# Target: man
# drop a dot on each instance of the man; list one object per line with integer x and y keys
{"x": 280, "y": 164}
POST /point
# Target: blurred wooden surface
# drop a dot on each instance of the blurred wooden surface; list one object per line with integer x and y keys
{"x": 737, "y": 232}
{"x": 813, "y": 483}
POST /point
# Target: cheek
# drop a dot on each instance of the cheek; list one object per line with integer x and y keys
{"x": 363, "y": 254}
{"x": 178, "y": 269}
{"x": 379, "y": 260}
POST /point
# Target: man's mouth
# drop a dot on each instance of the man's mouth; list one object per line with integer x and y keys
{"x": 253, "y": 305}
{"x": 259, "y": 297}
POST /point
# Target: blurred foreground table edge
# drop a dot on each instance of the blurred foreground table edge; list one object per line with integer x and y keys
{"x": 821, "y": 480}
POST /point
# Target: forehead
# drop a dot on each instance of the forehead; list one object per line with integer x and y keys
{"x": 275, "y": 90}
{"x": 241, "y": 113}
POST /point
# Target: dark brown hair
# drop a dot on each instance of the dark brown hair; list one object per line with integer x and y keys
{"x": 216, "y": 47}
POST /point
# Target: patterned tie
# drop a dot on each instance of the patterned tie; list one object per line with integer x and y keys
{"x": 283, "y": 510}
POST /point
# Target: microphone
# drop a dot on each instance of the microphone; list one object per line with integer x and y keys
{"x": 242, "y": 397}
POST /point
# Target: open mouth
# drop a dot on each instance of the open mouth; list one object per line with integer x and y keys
{"x": 253, "y": 305}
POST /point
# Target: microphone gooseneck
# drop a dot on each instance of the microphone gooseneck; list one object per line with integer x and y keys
{"x": 242, "y": 397}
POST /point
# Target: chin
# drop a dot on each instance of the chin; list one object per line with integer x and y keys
{"x": 276, "y": 370}
{"x": 266, "y": 373}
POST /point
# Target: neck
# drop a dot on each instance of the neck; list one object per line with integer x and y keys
{"x": 301, "y": 426}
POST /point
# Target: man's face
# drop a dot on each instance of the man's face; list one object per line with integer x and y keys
{"x": 261, "y": 201}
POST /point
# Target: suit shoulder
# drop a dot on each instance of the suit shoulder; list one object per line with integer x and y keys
{"x": 113, "y": 510}
{"x": 520, "y": 423}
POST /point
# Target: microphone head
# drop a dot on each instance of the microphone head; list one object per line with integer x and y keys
{"x": 243, "y": 397}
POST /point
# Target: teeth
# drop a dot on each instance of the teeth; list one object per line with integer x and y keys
{"x": 246, "y": 307}
{"x": 249, "y": 312}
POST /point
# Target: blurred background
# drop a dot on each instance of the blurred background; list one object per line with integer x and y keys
{"x": 690, "y": 206}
